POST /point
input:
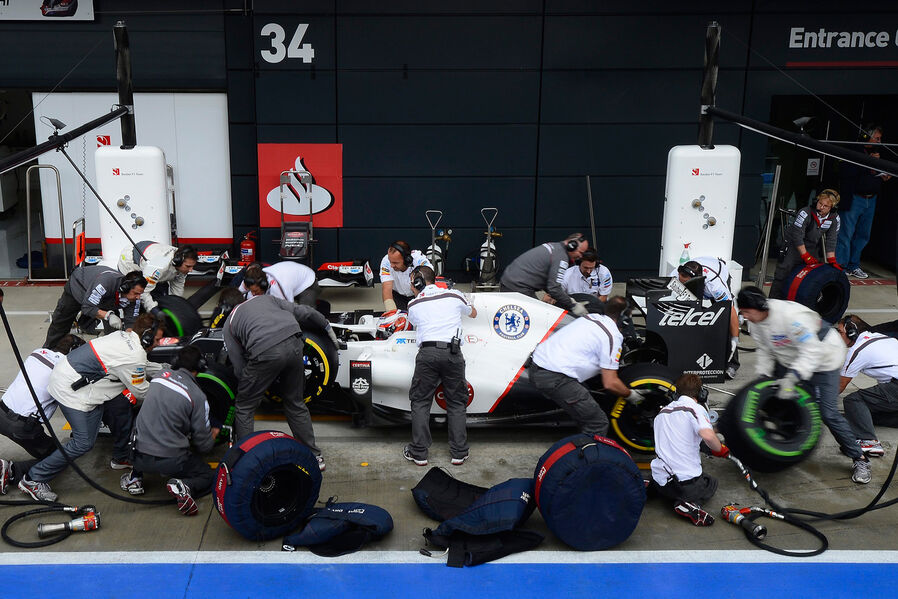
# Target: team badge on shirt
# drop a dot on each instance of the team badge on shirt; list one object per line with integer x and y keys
{"x": 511, "y": 322}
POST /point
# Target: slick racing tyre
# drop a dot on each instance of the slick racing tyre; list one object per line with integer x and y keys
{"x": 320, "y": 360}
{"x": 181, "y": 318}
{"x": 220, "y": 386}
{"x": 767, "y": 433}
{"x": 632, "y": 425}
{"x": 822, "y": 288}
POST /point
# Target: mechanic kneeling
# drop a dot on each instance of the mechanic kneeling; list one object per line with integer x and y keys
{"x": 174, "y": 413}
{"x": 576, "y": 353}
{"x": 680, "y": 427}
{"x": 436, "y": 314}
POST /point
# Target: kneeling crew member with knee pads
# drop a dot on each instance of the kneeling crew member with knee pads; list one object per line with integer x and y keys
{"x": 795, "y": 345}
{"x": 576, "y": 353}
{"x": 875, "y": 355}
{"x": 436, "y": 314}
{"x": 680, "y": 427}
{"x": 174, "y": 414}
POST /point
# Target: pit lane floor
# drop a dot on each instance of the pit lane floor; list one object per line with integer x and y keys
{"x": 155, "y": 552}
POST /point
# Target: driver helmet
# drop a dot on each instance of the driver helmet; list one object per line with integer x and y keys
{"x": 392, "y": 321}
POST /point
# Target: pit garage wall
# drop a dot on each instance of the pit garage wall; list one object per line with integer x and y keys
{"x": 458, "y": 105}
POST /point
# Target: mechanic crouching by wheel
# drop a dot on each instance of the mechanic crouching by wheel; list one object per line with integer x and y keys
{"x": 576, "y": 353}
{"x": 174, "y": 413}
{"x": 264, "y": 342}
{"x": 395, "y": 274}
{"x": 543, "y": 267}
{"x": 165, "y": 268}
{"x": 436, "y": 314}
{"x": 680, "y": 428}
{"x": 795, "y": 345}
{"x": 811, "y": 231}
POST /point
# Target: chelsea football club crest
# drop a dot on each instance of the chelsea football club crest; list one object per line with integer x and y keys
{"x": 511, "y": 322}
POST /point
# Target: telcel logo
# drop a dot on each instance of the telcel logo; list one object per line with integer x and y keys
{"x": 692, "y": 318}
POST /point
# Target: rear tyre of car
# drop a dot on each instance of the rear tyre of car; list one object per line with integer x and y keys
{"x": 181, "y": 318}
{"x": 633, "y": 425}
{"x": 320, "y": 360}
{"x": 767, "y": 433}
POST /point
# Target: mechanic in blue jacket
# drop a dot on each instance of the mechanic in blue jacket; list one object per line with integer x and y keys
{"x": 436, "y": 314}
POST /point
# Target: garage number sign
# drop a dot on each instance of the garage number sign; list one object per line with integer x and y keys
{"x": 279, "y": 49}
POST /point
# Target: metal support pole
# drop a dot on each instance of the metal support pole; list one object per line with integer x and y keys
{"x": 65, "y": 266}
{"x": 762, "y": 273}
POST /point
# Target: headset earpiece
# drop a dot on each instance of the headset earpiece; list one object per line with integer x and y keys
{"x": 571, "y": 245}
{"x": 851, "y": 329}
{"x": 262, "y": 281}
{"x": 418, "y": 282}
{"x": 130, "y": 281}
{"x": 406, "y": 254}
{"x": 148, "y": 337}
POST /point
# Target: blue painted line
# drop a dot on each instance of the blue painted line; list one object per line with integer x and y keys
{"x": 496, "y": 581}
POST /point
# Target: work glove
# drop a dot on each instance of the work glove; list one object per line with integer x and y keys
{"x": 389, "y": 304}
{"x": 832, "y": 262}
{"x": 734, "y": 343}
{"x": 723, "y": 452}
{"x": 636, "y": 397}
{"x": 332, "y": 336}
{"x": 579, "y": 309}
{"x": 809, "y": 259}
{"x": 113, "y": 320}
{"x": 786, "y": 386}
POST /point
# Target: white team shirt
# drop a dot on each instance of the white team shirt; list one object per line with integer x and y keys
{"x": 878, "y": 359}
{"x": 39, "y": 364}
{"x": 599, "y": 282}
{"x": 582, "y": 349}
{"x": 677, "y": 440}
{"x": 402, "y": 282}
{"x": 286, "y": 280}
{"x": 436, "y": 314}
{"x": 157, "y": 268}
{"x": 716, "y": 276}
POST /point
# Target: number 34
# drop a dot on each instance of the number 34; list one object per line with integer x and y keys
{"x": 295, "y": 49}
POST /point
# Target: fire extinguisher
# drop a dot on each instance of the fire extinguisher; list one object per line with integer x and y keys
{"x": 248, "y": 249}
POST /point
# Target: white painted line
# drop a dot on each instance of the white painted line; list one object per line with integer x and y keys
{"x": 28, "y": 312}
{"x": 873, "y": 311}
{"x": 405, "y": 557}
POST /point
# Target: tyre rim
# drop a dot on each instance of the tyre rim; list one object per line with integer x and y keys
{"x": 317, "y": 370}
{"x": 775, "y": 422}
{"x": 634, "y": 424}
{"x": 279, "y": 494}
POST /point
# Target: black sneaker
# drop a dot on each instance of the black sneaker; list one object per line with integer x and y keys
{"x": 407, "y": 454}
{"x": 694, "y": 512}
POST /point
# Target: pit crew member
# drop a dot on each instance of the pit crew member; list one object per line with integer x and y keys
{"x": 436, "y": 314}
{"x": 81, "y": 383}
{"x": 585, "y": 348}
{"x": 264, "y": 341}
{"x": 165, "y": 268}
{"x": 543, "y": 267}
{"x": 395, "y": 274}
{"x": 291, "y": 281}
{"x": 680, "y": 428}
{"x": 795, "y": 345}
{"x": 589, "y": 277}
{"x": 97, "y": 292}
{"x": 876, "y": 356}
{"x": 174, "y": 414}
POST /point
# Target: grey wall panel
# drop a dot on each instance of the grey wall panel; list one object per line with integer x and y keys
{"x": 618, "y": 201}
{"x": 241, "y": 97}
{"x": 442, "y": 151}
{"x": 288, "y": 97}
{"x": 438, "y": 97}
{"x": 468, "y": 7}
{"x": 245, "y": 200}
{"x": 291, "y": 7}
{"x": 650, "y": 7}
{"x": 370, "y": 201}
{"x": 243, "y": 150}
{"x": 424, "y": 42}
{"x": 299, "y": 134}
{"x": 239, "y": 48}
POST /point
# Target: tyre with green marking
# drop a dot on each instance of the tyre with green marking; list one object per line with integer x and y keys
{"x": 220, "y": 386}
{"x": 767, "y": 433}
{"x": 181, "y": 318}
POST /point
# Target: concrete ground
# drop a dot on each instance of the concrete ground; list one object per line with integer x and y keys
{"x": 366, "y": 465}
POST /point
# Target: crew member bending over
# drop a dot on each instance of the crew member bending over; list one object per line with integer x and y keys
{"x": 395, "y": 274}
{"x": 165, "y": 268}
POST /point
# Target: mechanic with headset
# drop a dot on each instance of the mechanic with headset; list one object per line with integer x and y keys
{"x": 716, "y": 288}
{"x": 287, "y": 280}
{"x": 82, "y": 382}
{"x": 436, "y": 314}
{"x": 97, "y": 292}
{"x": 680, "y": 428}
{"x": 795, "y": 345}
{"x": 543, "y": 267}
{"x": 165, "y": 268}
{"x": 19, "y": 419}
{"x": 590, "y": 277}
{"x": 174, "y": 414}
{"x": 876, "y": 356}
{"x": 395, "y": 274}
{"x": 812, "y": 230}
{"x": 577, "y": 352}
{"x": 263, "y": 335}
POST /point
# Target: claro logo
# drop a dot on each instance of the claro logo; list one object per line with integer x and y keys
{"x": 691, "y": 318}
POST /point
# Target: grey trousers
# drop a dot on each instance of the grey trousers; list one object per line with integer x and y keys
{"x": 284, "y": 360}
{"x": 573, "y": 397}
{"x": 432, "y": 366}
{"x": 874, "y": 405}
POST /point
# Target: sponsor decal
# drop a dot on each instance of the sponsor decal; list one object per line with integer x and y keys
{"x": 704, "y": 361}
{"x": 691, "y": 318}
{"x": 104, "y": 140}
{"x": 439, "y": 395}
{"x": 695, "y": 172}
{"x": 318, "y": 193}
{"x": 472, "y": 339}
{"x": 403, "y": 341}
{"x": 360, "y": 386}
{"x": 116, "y": 172}
{"x": 511, "y": 322}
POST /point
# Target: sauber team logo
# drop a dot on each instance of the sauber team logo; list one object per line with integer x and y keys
{"x": 440, "y": 395}
{"x": 511, "y": 322}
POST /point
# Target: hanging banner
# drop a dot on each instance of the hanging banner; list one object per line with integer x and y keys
{"x": 318, "y": 193}
{"x": 34, "y": 10}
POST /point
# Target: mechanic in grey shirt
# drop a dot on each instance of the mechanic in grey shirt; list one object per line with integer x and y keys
{"x": 543, "y": 268}
{"x": 174, "y": 414}
{"x": 97, "y": 292}
{"x": 264, "y": 342}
